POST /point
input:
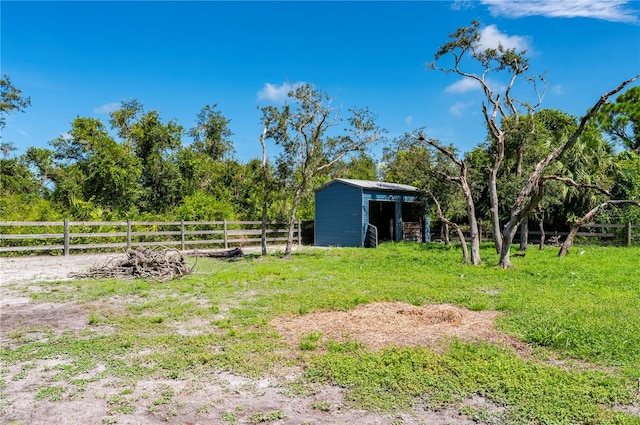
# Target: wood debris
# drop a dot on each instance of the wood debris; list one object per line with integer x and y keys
{"x": 231, "y": 254}
{"x": 159, "y": 265}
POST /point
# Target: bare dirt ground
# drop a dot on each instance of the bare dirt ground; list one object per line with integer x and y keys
{"x": 213, "y": 397}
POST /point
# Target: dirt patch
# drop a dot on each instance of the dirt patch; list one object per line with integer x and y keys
{"x": 394, "y": 323}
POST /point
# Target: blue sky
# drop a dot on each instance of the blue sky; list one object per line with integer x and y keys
{"x": 83, "y": 58}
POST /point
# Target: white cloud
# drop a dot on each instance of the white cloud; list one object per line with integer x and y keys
{"x": 276, "y": 93}
{"x": 23, "y": 132}
{"x": 106, "y": 108}
{"x": 463, "y": 86}
{"x": 490, "y": 37}
{"x": 557, "y": 89}
{"x": 408, "y": 120}
{"x": 608, "y": 10}
{"x": 458, "y": 108}
{"x": 466, "y": 85}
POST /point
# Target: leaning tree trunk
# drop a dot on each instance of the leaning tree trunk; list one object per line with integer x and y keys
{"x": 445, "y": 224}
{"x": 564, "y": 249}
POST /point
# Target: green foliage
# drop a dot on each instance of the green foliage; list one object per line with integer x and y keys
{"x": 204, "y": 207}
{"x": 17, "y": 178}
{"x": 621, "y": 119}
{"x": 11, "y": 99}
{"x": 211, "y": 134}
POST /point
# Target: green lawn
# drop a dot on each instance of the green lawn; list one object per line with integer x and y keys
{"x": 583, "y": 309}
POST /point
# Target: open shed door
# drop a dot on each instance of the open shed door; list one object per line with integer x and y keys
{"x": 412, "y": 221}
{"x": 382, "y": 214}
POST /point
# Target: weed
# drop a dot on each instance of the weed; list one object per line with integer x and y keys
{"x": 51, "y": 392}
{"x": 309, "y": 341}
{"x": 230, "y": 418}
{"x": 261, "y": 417}
{"x": 322, "y": 405}
{"x": 203, "y": 409}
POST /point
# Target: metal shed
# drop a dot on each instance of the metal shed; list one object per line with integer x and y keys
{"x": 362, "y": 213}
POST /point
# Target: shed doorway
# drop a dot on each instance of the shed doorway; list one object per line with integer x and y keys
{"x": 382, "y": 214}
{"x": 412, "y": 221}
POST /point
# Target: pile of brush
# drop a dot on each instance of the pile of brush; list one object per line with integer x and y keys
{"x": 159, "y": 265}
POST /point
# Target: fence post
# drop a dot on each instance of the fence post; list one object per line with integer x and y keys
{"x": 66, "y": 237}
{"x": 226, "y": 245}
{"x": 628, "y": 229}
{"x": 128, "y": 234}
{"x": 299, "y": 232}
{"x": 182, "y": 235}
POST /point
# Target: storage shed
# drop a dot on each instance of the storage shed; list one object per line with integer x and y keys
{"x": 362, "y": 213}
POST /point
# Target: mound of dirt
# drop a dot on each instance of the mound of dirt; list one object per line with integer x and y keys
{"x": 394, "y": 323}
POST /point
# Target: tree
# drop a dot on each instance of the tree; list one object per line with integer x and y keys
{"x": 462, "y": 180}
{"x": 211, "y": 134}
{"x": 110, "y": 173}
{"x": 306, "y": 149}
{"x": 465, "y": 44}
{"x": 413, "y": 162}
{"x": 155, "y": 144}
{"x": 586, "y": 218}
{"x": 621, "y": 120}
{"x": 11, "y": 100}
{"x": 359, "y": 166}
{"x": 465, "y": 48}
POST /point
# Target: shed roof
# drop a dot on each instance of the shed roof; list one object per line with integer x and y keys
{"x": 369, "y": 184}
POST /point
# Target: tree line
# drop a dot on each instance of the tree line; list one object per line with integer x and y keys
{"x": 536, "y": 165}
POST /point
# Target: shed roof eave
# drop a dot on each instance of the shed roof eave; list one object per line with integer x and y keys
{"x": 370, "y": 184}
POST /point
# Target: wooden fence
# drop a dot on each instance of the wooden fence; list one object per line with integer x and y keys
{"x": 621, "y": 234}
{"x": 18, "y": 236}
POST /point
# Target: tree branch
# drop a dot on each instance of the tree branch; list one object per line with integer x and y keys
{"x": 570, "y": 182}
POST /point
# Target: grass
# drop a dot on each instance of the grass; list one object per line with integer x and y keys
{"x": 584, "y": 308}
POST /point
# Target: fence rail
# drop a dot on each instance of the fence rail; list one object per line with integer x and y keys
{"x": 625, "y": 234}
{"x": 18, "y": 236}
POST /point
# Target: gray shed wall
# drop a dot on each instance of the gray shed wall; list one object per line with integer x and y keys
{"x": 338, "y": 216}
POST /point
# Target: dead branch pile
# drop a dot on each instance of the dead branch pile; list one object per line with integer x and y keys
{"x": 159, "y": 265}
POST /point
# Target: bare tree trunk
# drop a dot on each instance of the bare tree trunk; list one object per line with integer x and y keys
{"x": 265, "y": 194}
{"x": 292, "y": 223}
{"x": 588, "y": 216}
{"x": 542, "y": 234}
{"x": 475, "y": 235}
{"x": 524, "y": 234}
{"x": 447, "y": 238}
{"x": 263, "y": 232}
{"x": 493, "y": 196}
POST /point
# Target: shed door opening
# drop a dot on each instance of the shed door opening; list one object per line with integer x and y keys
{"x": 412, "y": 223}
{"x": 382, "y": 214}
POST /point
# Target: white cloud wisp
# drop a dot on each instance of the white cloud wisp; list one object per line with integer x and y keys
{"x": 276, "y": 93}
{"x": 608, "y": 10}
